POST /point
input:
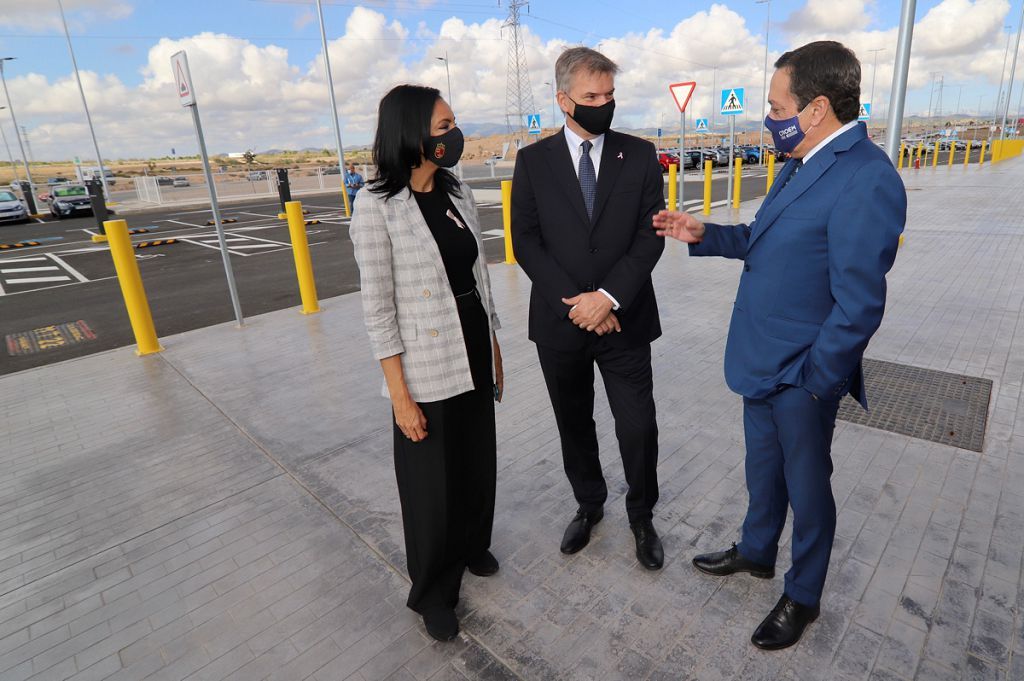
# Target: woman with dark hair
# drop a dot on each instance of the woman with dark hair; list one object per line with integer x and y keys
{"x": 430, "y": 316}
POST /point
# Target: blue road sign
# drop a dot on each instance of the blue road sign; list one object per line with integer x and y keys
{"x": 732, "y": 101}
{"x": 702, "y": 125}
{"x": 533, "y": 123}
{"x": 865, "y": 111}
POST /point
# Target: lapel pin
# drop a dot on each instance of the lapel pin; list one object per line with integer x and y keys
{"x": 454, "y": 219}
{"x": 620, "y": 156}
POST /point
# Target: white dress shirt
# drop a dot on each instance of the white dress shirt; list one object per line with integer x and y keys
{"x": 817, "y": 147}
{"x": 575, "y": 144}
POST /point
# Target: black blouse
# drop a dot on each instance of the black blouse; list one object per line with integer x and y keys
{"x": 453, "y": 236}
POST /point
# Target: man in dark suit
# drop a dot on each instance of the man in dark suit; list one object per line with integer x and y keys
{"x": 811, "y": 295}
{"x": 583, "y": 202}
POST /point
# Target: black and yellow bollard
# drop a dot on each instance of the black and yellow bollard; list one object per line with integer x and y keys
{"x": 506, "y": 219}
{"x": 135, "y": 301}
{"x": 303, "y": 262}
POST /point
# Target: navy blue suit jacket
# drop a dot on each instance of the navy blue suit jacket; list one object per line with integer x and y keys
{"x": 812, "y": 291}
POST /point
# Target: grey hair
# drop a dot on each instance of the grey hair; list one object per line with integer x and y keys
{"x": 577, "y": 58}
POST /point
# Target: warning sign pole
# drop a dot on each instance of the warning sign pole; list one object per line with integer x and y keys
{"x": 732, "y": 152}
{"x": 682, "y": 151}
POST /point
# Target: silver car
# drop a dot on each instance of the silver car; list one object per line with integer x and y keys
{"x": 11, "y": 208}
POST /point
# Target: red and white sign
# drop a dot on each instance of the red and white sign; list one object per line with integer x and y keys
{"x": 183, "y": 79}
{"x": 681, "y": 92}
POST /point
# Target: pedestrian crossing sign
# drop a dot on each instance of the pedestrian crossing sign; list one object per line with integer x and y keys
{"x": 533, "y": 123}
{"x": 702, "y": 125}
{"x": 865, "y": 111}
{"x": 732, "y": 101}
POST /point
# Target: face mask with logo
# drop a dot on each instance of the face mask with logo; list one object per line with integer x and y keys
{"x": 597, "y": 120}
{"x": 445, "y": 150}
{"x": 786, "y": 134}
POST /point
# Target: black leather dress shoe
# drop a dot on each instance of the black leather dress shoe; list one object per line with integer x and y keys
{"x": 729, "y": 562}
{"x": 577, "y": 535}
{"x": 784, "y": 625}
{"x": 648, "y": 545}
{"x": 441, "y": 624}
{"x": 483, "y": 565}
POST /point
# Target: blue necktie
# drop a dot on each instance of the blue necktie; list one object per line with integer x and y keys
{"x": 796, "y": 169}
{"x": 588, "y": 178}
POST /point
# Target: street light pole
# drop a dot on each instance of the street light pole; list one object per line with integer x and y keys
{"x": 874, "y": 72}
{"x": 764, "y": 82}
{"x": 3, "y": 135}
{"x": 898, "y": 96}
{"x": 451, "y": 103}
{"x": 1013, "y": 73}
{"x": 10, "y": 107}
{"x": 1002, "y": 75}
{"x": 554, "y": 121}
{"x": 85, "y": 105}
{"x": 334, "y": 110}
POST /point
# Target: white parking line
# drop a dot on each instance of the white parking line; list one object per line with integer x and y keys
{"x": 37, "y": 280}
{"x": 29, "y": 269}
{"x": 254, "y": 246}
{"x": 75, "y": 273}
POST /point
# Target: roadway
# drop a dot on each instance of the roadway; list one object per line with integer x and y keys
{"x": 68, "y": 279}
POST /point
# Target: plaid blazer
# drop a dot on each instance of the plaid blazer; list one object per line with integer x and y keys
{"x": 408, "y": 305}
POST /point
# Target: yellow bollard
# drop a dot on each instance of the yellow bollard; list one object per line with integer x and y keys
{"x": 344, "y": 196}
{"x": 707, "y": 187}
{"x": 967, "y": 153}
{"x": 135, "y": 301}
{"x": 952, "y": 148}
{"x": 736, "y": 183}
{"x": 771, "y": 173}
{"x": 672, "y": 186}
{"x": 935, "y": 156}
{"x": 303, "y": 263}
{"x": 506, "y": 218}
{"x": 981, "y": 158}
{"x": 920, "y": 150}
{"x": 903, "y": 147}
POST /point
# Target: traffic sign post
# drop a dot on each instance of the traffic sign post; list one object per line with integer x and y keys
{"x": 681, "y": 92}
{"x": 701, "y": 125}
{"x": 865, "y": 111}
{"x": 732, "y": 106}
{"x": 533, "y": 123}
{"x": 187, "y": 98}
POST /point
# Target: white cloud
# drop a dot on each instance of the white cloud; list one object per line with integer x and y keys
{"x": 37, "y": 14}
{"x": 259, "y": 96}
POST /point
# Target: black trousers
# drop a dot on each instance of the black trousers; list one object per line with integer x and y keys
{"x": 446, "y": 482}
{"x": 629, "y": 383}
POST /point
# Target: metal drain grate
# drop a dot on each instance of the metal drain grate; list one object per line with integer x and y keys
{"x": 922, "y": 403}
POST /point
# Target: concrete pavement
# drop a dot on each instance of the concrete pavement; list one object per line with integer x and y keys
{"x": 227, "y": 509}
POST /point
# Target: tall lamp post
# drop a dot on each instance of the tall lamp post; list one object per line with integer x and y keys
{"x": 14, "y": 120}
{"x": 3, "y": 136}
{"x": 334, "y": 111}
{"x": 554, "y": 121}
{"x": 764, "y": 83}
{"x": 448, "y": 73}
{"x": 874, "y": 72}
{"x": 898, "y": 95}
{"x": 1013, "y": 73}
{"x": 85, "y": 105}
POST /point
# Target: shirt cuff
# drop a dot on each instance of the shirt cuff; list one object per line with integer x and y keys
{"x": 615, "y": 303}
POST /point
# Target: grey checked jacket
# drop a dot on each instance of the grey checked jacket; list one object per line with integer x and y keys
{"x": 408, "y": 305}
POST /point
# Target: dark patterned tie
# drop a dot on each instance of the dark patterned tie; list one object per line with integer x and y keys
{"x": 588, "y": 178}
{"x": 796, "y": 169}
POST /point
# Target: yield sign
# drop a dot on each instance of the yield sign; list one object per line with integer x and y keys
{"x": 183, "y": 79}
{"x": 682, "y": 92}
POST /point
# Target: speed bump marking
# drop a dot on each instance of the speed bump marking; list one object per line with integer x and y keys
{"x": 20, "y": 244}
{"x": 150, "y": 244}
{"x": 49, "y": 338}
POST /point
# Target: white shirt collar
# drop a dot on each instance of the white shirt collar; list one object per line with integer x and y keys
{"x": 574, "y": 143}
{"x": 849, "y": 126}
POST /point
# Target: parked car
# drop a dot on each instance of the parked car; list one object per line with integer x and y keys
{"x": 67, "y": 200}
{"x": 94, "y": 174}
{"x": 181, "y": 181}
{"x": 749, "y": 155}
{"x": 333, "y": 170}
{"x": 11, "y": 208}
{"x": 666, "y": 159}
{"x": 51, "y": 181}
{"x": 719, "y": 157}
{"x": 257, "y": 175}
{"x": 164, "y": 181}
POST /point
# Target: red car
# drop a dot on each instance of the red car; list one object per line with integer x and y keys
{"x": 666, "y": 159}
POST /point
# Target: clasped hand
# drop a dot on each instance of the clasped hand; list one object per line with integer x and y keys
{"x": 593, "y": 312}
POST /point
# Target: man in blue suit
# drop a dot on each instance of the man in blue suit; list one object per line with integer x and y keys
{"x": 811, "y": 295}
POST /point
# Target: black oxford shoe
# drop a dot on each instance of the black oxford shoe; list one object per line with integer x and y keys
{"x": 784, "y": 625}
{"x": 483, "y": 565}
{"x": 441, "y": 624}
{"x": 577, "y": 535}
{"x": 729, "y": 562}
{"x": 648, "y": 545}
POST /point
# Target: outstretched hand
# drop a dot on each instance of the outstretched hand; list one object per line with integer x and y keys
{"x": 678, "y": 225}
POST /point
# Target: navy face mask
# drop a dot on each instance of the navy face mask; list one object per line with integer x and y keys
{"x": 786, "y": 134}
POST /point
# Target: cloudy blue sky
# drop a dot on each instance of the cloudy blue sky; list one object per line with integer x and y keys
{"x": 260, "y": 80}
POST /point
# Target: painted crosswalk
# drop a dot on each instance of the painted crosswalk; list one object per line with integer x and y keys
{"x": 26, "y": 273}
{"x": 237, "y": 244}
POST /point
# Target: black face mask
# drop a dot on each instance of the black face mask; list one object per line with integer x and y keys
{"x": 597, "y": 120}
{"x": 445, "y": 150}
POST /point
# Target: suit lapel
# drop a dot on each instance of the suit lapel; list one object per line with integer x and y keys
{"x": 561, "y": 167}
{"x": 612, "y": 160}
{"x": 788, "y": 193}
